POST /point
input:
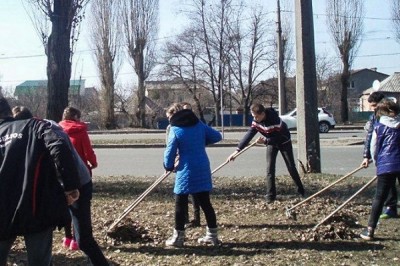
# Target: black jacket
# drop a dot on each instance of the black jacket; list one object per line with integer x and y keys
{"x": 272, "y": 128}
{"x": 32, "y": 158}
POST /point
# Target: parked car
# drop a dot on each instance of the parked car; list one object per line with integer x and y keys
{"x": 325, "y": 118}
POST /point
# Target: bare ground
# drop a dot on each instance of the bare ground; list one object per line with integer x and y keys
{"x": 252, "y": 232}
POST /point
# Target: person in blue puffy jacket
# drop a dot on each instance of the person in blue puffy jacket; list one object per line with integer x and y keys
{"x": 385, "y": 151}
{"x": 189, "y": 137}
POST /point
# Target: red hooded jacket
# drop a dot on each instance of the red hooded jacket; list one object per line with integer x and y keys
{"x": 77, "y": 132}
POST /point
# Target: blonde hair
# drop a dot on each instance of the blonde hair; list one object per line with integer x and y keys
{"x": 174, "y": 108}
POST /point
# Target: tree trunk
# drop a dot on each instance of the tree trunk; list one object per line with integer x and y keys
{"x": 344, "y": 79}
{"x": 58, "y": 62}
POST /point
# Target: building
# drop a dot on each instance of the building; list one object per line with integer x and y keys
{"x": 29, "y": 87}
{"x": 389, "y": 86}
{"x": 360, "y": 80}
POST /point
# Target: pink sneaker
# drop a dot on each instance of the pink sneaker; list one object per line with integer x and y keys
{"x": 73, "y": 245}
{"x": 66, "y": 242}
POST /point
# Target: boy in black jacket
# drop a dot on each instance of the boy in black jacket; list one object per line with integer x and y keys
{"x": 32, "y": 200}
{"x": 276, "y": 137}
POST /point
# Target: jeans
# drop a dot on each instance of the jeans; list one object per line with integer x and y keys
{"x": 286, "y": 150}
{"x": 385, "y": 183}
{"x": 81, "y": 219}
{"x": 38, "y": 246}
{"x": 391, "y": 201}
{"x": 203, "y": 199}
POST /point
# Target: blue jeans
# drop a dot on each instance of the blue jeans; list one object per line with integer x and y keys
{"x": 286, "y": 150}
{"x": 82, "y": 221}
{"x": 385, "y": 183}
{"x": 38, "y": 246}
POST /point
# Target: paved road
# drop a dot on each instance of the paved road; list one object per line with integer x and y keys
{"x": 334, "y": 134}
{"x": 148, "y": 161}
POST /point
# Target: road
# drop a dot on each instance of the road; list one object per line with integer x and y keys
{"x": 148, "y": 161}
{"x": 227, "y": 135}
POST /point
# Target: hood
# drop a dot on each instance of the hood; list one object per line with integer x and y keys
{"x": 184, "y": 118}
{"x": 393, "y": 122}
{"x": 72, "y": 127}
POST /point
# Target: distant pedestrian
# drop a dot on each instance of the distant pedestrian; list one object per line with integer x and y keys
{"x": 188, "y": 137}
{"x": 33, "y": 201}
{"x": 385, "y": 150}
{"x": 276, "y": 137}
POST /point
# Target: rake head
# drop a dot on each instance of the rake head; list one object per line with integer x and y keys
{"x": 291, "y": 214}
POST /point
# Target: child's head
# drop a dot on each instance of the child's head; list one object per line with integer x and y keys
{"x": 71, "y": 113}
{"x": 175, "y": 107}
{"x": 21, "y": 112}
{"x": 387, "y": 107}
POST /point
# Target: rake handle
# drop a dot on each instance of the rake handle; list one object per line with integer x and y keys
{"x": 322, "y": 190}
{"x": 139, "y": 199}
{"x": 346, "y": 202}
{"x": 236, "y": 155}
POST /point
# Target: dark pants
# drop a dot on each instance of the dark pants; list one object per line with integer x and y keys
{"x": 385, "y": 183}
{"x": 391, "y": 201}
{"x": 287, "y": 154}
{"x": 81, "y": 219}
{"x": 203, "y": 199}
{"x": 38, "y": 246}
{"x": 196, "y": 210}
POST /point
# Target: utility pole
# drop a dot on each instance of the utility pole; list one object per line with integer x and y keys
{"x": 281, "y": 71}
{"x": 306, "y": 88}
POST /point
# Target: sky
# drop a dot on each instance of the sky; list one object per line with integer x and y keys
{"x": 22, "y": 54}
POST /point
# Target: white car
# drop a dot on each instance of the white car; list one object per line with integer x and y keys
{"x": 325, "y": 118}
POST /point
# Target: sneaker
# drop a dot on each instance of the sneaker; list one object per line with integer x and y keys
{"x": 66, "y": 242}
{"x": 389, "y": 213}
{"x": 367, "y": 234}
{"x": 73, "y": 245}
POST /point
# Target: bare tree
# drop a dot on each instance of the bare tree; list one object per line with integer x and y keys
{"x": 65, "y": 17}
{"x": 181, "y": 62}
{"x": 230, "y": 50}
{"x": 248, "y": 57}
{"x": 106, "y": 42}
{"x": 396, "y": 18}
{"x": 345, "y": 22}
{"x": 141, "y": 23}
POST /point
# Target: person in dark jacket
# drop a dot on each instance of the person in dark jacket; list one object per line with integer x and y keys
{"x": 385, "y": 150}
{"x": 276, "y": 137}
{"x": 188, "y": 137}
{"x": 81, "y": 209}
{"x": 390, "y": 205}
{"x": 33, "y": 202}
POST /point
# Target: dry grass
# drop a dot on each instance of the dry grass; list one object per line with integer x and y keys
{"x": 252, "y": 232}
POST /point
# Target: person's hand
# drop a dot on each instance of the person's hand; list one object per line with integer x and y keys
{"x": 261, "y": 140}
{"x": 365, "y": 163}
{"x": 232, "y": 156}
{"x": 72, "y": 196}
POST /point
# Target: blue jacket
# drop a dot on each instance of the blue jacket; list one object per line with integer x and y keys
{"x": 385, "y": 147}
{"x": 188, "y": 138}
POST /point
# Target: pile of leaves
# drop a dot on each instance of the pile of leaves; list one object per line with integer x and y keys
{"x": 129, "y": 231}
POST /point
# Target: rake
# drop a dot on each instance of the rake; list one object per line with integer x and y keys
{"x": 139, "y": 199}
{"x": 240, "y": 152}
{"x": 345, "y": 203}
{"x": 292, "y": 215}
